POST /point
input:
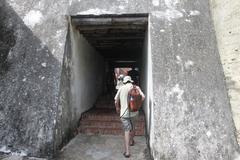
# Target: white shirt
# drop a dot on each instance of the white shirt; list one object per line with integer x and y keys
{"x": 122, "y": 95}
{"x": 119, "y": 84}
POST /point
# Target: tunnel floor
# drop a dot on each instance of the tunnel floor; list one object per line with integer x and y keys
{"x": 103, "y": 147}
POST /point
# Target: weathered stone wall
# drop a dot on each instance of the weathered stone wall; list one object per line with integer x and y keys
{"x": 144, "y": 79}
{"x": 191, "y": 114}
{"x": 7, "y": 39}
{"x": 82, "y": 65}
{"x": 226, "y": 16}
{"x": 30, "y": 79}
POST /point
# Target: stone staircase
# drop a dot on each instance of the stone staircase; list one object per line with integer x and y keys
{"x": 103, "y": 119}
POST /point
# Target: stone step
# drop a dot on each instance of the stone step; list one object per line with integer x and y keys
{"x": 107, "y": 117}
{"x": 106, "y": 121}
{"x": 97, "y": 131}
{"x": 107, "y": 131}
{"x": 108, "y": 124}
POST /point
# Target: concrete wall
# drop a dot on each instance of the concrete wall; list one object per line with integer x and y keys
{"x": 146, "y": 82}
{"x": 7, "y": 39}
{"x": 226, "y": 16}
{"x": 81, "y": 84}
{"x": 30, "y": 78}
{"x": 192, "y": 117}
{"x": 88, "y": 68}
{"x": 143, "y": 77}
{"x": 191, "y": 112}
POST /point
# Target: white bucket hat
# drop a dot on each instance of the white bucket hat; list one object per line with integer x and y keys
{"x": 126, "y": 79}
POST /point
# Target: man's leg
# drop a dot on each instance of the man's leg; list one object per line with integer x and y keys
{"x": 132, "y": 134}
{"x": 127, "y": 139}
{"x": 127, "y": 128}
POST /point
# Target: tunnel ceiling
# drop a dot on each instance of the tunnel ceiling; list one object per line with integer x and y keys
{"x": 116, "y": 37}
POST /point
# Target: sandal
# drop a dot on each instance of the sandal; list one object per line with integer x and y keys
{"x": 126, "y": 155}
{"x": 132, "y": 144}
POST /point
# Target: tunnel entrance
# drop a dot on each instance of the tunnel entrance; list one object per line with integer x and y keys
{"x": 119, "y": 39}
{"x": 101, "y": 45}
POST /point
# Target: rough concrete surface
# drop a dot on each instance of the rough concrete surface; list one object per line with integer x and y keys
{"x": 192, "y": 117}
{"x": 29, "y": 81}
{"x": 103, "y": 147}
{"x": 226, "y": 16}
{"x": 18, "y": 157}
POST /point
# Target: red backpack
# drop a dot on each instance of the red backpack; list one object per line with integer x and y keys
{"x": 134, "y": 99}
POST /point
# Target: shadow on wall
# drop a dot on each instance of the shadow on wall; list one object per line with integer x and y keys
{"x": 29, "y": 80}
{"x": 7, "y": 41}
{"x": 65, "y": 127}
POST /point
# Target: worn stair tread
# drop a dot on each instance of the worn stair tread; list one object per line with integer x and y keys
{"x": 107, "y": 125}
{"x": 100, "y": 131}
{"x": 98, "y": 128}
{"x": 94, "y": 131}
{"x": 106, "y": 118}
{"x": 106, "y": 115}
{"x": 103, "y": 119}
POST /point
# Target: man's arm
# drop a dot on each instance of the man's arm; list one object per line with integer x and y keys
{"x": 142, "y": 94}
{"x": 117, "y": 106}
{"x": 117, "y": 101}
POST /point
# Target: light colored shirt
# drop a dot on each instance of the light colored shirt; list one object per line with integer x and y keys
{"x": 119, "y": 84}
{"x": 122, "y": 95}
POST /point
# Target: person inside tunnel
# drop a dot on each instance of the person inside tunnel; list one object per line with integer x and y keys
{"x": 134, "y": 74}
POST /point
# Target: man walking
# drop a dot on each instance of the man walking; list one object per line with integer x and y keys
{"x": 128, "y": 118}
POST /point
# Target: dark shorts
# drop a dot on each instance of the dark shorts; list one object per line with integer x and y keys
{"x": 128, "y": 123}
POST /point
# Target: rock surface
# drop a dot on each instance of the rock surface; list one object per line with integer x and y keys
{"x": 15, "y": 157}
{"x": 29, "y": 89}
